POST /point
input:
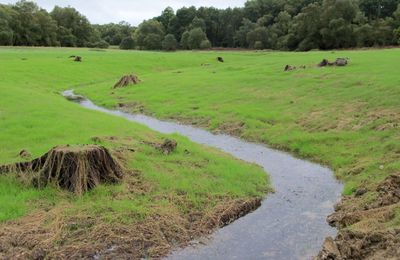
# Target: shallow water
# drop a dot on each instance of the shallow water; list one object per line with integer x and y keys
{"x": 290, "y": 224}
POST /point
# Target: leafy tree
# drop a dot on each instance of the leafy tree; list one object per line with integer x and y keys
{"x": 149, "y": 35}
{"x": 244, "y": 30}
{"x": 77, "y": 25}
{"x": 196, "y": 37}
{"x": 128, "y": 43}
{"x": 185, "y": 40}
{"x": 205, "y": 44}
{"x": 114, "y": 33}
{"x": 166, "y": 16}
{"x": 260, "y": 36}
{"x": 169, "y": 43}
{"x": 198, "y": 23}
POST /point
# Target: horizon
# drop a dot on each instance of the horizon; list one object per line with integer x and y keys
{"x": 133, "y": 12}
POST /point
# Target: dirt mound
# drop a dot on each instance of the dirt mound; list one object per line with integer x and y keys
{"x": 168, "y": 146}
{"x": 340, "y": 62}
{"x": 389, "y": 192}
{"x": 127, "y": 80}
{"x": 359, "y": 245}
{"x": 74, "y": 168}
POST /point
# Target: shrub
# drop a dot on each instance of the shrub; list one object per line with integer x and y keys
{"x": 169, "y": 43}
{"x": 127, "y": 43}
{"x": 205, "y": 44}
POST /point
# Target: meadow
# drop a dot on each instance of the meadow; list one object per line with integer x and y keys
{"x": 159, "y": 195}
{"x": 347, "y": 118}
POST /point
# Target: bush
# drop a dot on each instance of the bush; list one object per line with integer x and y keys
{"x": 185, "y": 40}
{"x": 169, "y": 43}
{"x": 127, "y": 43}
{"x": 205, "y": 44}
{"x": 258, "y": 45}
{"x": 196, "y": 37}
{"x": 6, "y": 38}
{"x": 102, "y": 44}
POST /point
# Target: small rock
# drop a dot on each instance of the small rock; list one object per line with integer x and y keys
{"x": 381, "y": 167}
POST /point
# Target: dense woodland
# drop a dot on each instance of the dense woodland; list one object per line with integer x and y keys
{"x": 261, "y": 24}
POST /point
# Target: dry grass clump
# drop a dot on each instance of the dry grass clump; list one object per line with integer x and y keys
{"x": 127, "y": 80}
{"x": 74, "y": 168}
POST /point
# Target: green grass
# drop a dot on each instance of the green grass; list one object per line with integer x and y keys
{"x": 345, "y": 117}
{"x": 34, "y": 116}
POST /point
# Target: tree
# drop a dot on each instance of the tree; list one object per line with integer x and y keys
{"x": 128, "y": 43}
{"x": 114, "y": 33}
{"x": 241, "y": 34}
{"x": 166, "y": 16}
{"x": 6, "y": 32}
{"x": 76, "y": 24}
{"x": 198, "y": 23}
{"x": 260, "y": 36}
{"x": 149, "y": 35}
{"x": 196, "y": 37}
{"x": 185, "y": 40}
{"x": 205, "y": 44}
{"x": 169, "y": 43}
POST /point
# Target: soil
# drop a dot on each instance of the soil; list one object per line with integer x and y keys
{"x": 127, "y": 80}
{"x": 74, "y": 168}
{"x": 167, "y": 147}
{"x": 363, "y": 232}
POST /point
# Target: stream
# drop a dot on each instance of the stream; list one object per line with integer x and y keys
{"x": 290, "y": 224}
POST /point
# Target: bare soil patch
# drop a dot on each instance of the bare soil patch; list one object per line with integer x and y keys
{"x": 363, "y": 232}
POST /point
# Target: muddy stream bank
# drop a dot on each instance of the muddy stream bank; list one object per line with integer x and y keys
{"x": 290, "y": 224}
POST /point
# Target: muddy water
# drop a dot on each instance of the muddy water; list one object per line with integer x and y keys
{"x": 290, "y": 224}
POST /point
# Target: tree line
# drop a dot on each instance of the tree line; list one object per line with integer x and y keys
{"x": 261, "y": 24}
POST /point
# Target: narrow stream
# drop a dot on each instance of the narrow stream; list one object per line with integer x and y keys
{"x": 290, "y": 224}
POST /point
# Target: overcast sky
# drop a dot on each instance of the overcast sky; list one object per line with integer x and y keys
{"x": 132, "y": 11}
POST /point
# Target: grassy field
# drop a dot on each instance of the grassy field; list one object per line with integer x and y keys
{"x": 161, "y": 193}
{"x": 345, "y": 117}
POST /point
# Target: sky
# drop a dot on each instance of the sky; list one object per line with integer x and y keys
{"x": 132, "y": 11}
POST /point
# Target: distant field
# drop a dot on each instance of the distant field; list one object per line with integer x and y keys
{"x": 162, "y": 193}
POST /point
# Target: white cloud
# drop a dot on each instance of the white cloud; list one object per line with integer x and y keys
{"x": 132, "y": 11}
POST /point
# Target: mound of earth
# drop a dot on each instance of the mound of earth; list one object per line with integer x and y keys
{"x": 75, "y": 168}
{"x": 363, "y": 231}
{"x": 340, "y": 62}
{"x": 127, "y": 80}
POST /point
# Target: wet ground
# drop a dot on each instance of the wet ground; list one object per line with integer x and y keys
{"x": 290, "y": 224}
